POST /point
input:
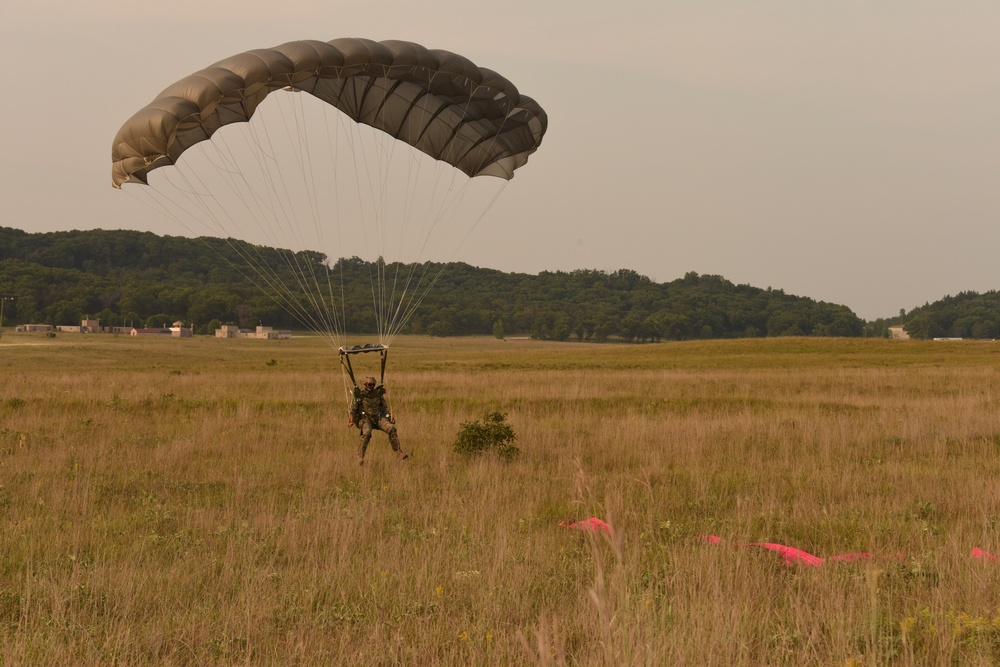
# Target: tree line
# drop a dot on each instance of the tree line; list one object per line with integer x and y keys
{"x": 965, "y": 315}
{"x": 128, "y": 278}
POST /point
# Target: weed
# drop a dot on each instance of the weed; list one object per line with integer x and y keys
{"x": 490, "y": 435}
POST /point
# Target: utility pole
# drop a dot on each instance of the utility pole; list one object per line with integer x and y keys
{"x": 3, "y": 300}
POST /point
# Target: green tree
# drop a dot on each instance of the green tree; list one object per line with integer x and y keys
{"x": 492, "y": 434}
{"x": 440, "y": 329}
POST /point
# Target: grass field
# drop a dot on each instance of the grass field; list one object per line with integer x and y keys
{"x": 198, "y": 502}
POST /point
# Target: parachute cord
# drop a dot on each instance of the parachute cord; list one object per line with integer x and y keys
{"x": 332, "y": 141}
{"x": 234, "y": 177}
{"x": 296, "y": 131}
{"x": 347, "y": 388}
{"x": 414, "y": 303}
{"x": 160, "y": 202}
{"x": 279, "y": 192}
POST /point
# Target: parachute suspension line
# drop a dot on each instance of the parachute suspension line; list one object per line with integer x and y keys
{"x": 240, "y": 187}
{"x": 397, "y": 292}
{"x": 333, "y": 141}
{"x": 305, "y": 272}
{"x": 308, "y": 166}
{"x": 392, "y": 295}
{"x": 437, "y": 207}
{"x": 382, "y": 160}
{"x": 412, "y": 182}
{"x": 328, "y": 319}
{"x": 415, "y": 303}
{"x": 260, "y": 147}
{"x": 348, "y": 393}
{"x": 383, "y": 291}
{"x": 396, "y": 296}
{"x": 155, "y": 198}
{"x": 406, "y": 308}
{"x": 362, "y": 175}
{"x": 401, "y": 313}
{"x": 281, "y": 290}
{"x": 389, "y": 291}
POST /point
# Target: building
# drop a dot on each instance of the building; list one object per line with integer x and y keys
{"x": 178, "y": 330}
{"x": 147, "y": 332}
{"x": 266, "y": 333}
{"x": 270, "y": 333}
{"x": 33, "y": 328}
{"x": 228, "y": 331}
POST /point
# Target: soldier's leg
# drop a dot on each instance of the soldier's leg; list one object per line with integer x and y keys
{"x": 366, "y": 436}
{"x": 390, "y": 428}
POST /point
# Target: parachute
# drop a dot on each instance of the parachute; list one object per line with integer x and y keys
{"x": 330, "y": 152}
{"x": 436, "y": 101}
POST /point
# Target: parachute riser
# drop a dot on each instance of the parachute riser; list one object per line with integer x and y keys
{"x": 345, "y": 360}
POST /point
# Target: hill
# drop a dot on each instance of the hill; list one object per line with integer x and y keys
{"x": 965, "y": 315}
{"x": 127, "y": 277}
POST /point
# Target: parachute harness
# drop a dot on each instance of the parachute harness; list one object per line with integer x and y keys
{"x": 345, "y": 363}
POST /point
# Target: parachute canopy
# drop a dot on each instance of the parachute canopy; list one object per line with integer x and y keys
{"x": 436, "y": 101}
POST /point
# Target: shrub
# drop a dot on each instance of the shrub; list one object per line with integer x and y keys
{"x": 492, "y": 434}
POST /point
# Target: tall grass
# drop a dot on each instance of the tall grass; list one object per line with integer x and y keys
{"x": 198, "y": 502}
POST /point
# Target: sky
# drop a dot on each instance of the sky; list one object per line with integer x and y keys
{"x": 845, "y": 151}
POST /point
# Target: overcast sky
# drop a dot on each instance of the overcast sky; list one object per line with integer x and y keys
{"x": 846, "y": 151}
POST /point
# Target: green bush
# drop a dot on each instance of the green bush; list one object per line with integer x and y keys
{"x": 492, "y": 434}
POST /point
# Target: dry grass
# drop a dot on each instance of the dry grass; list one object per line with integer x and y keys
{"x": 197, "y": 503}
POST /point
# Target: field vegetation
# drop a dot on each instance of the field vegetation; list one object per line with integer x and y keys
{"x": 198, "y": 502}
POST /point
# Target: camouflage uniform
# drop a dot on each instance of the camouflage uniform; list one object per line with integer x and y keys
{"x": 370, "y": 411}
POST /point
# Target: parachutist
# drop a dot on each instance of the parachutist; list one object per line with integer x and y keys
{"x": 370, "y": 411}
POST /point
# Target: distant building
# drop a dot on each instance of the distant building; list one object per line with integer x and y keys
{"x": 228, "y": 331}
{"x": 33, "y": 328}
{"x": 154, "y": 331}
{"x": 270, "y": 333}
{"x": 68, "y": 328}
{"x": 267, "y": 333}
{"x": 178, "y": 330}
{"x": 91, "y": 326}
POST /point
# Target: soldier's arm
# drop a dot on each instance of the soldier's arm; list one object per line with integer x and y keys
{"x": 384, "y": 408}
{"x": 354, "y": 415}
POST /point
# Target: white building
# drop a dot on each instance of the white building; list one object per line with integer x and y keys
{"x": 228, "y": 331}
{"x": 270, "y": 333}
{"x": 149, "y": 331}
{"x": 178, "y": 330}
{"x": 266, "y": 333}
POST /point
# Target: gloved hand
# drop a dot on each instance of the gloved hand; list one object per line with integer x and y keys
{"x": 350, "y": 421}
